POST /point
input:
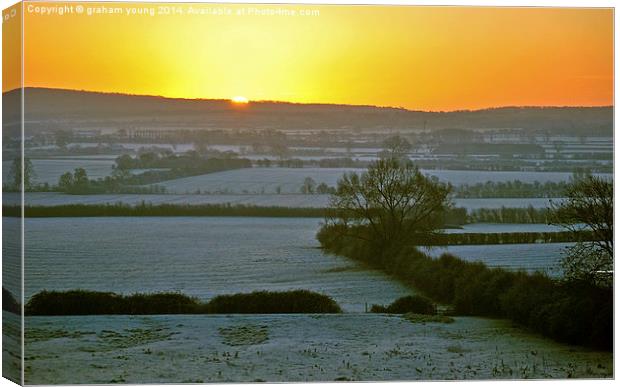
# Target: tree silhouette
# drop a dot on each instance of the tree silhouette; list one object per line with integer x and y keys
{"x": 589, "y": 205}
{"x": 392, "y": 204}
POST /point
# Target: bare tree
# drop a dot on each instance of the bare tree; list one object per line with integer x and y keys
{"x": 308, "y": 186}
{"x": 21, "y": 178}
{"x": 589, "y": 206}
{"x": 391, "y": 204}
{"x": 396, "y": 147}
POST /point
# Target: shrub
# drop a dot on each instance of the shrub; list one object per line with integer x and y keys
{"x": 378, "y": 309}
{"x": 295, "y": 301}
{"x": 162, "y": 303}
{"x": 528, "y": 293}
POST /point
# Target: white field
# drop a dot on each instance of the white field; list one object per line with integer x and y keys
{"x": 489, "y": 228}
{"x": 287, "y": 348}
{"x": 255, "y": 180}
{"x": 208, "y": 256}
{"x": 543, "y": 257}
{"x": 199, "y": 256}
{"x": 267, "y": 200}
{"x": 289, "y": 180}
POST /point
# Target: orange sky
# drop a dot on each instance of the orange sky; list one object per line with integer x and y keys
{"x": 428, "y": 58}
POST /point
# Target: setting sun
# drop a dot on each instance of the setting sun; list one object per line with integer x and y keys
{"x": 239, "y": 99}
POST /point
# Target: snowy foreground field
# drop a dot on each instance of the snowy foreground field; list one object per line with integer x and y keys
{"x": 244, "y": 348}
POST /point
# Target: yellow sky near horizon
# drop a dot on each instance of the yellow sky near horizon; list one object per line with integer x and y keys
{"x": 425, "y": 58}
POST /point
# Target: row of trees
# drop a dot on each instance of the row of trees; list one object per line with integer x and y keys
{"x": 512, "y": 189}
{"x": 167, "y": 159}
{"x": 310, "y": 187}
{"x": 78, "y": 182}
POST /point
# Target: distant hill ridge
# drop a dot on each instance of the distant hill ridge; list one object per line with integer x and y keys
{"x": 46, "y": 106}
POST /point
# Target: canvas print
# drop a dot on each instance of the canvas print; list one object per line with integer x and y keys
{"x": 210, "y": 193}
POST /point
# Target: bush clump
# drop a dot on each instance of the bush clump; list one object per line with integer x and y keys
{"x": 408, "y": 304}
{"x": 295, "y": 301}
{"x": 85, "y": 302}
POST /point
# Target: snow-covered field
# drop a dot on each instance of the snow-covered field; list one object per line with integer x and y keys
{"x": 267, "y": 200}
{"x": 201, "y": 257}
{"x": 278, "y": 348}
{"x": 289, "y": 180}
{"x": 544, "y": 257}
{"x": 488, "y": 228}
{"x": 205, "y": 257}
{"x": 255, "y": 180}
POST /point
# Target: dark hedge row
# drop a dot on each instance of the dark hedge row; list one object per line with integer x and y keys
{"x": 85, "y": 302}
{"x": 146, "y": 209}
{"x": 452, "y": 217}
{"x": 576, "y": 313}
{"x": 512, "y": 189}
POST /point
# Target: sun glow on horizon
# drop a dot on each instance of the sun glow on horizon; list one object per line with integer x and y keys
{"x": 240, "y": 99}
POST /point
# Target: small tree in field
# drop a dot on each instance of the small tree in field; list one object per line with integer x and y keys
{"x": 308, "y": 186}
{"x": 65, "y": 182}
{"x": 391, "y": 205}
{"x": 589, "y": 205}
